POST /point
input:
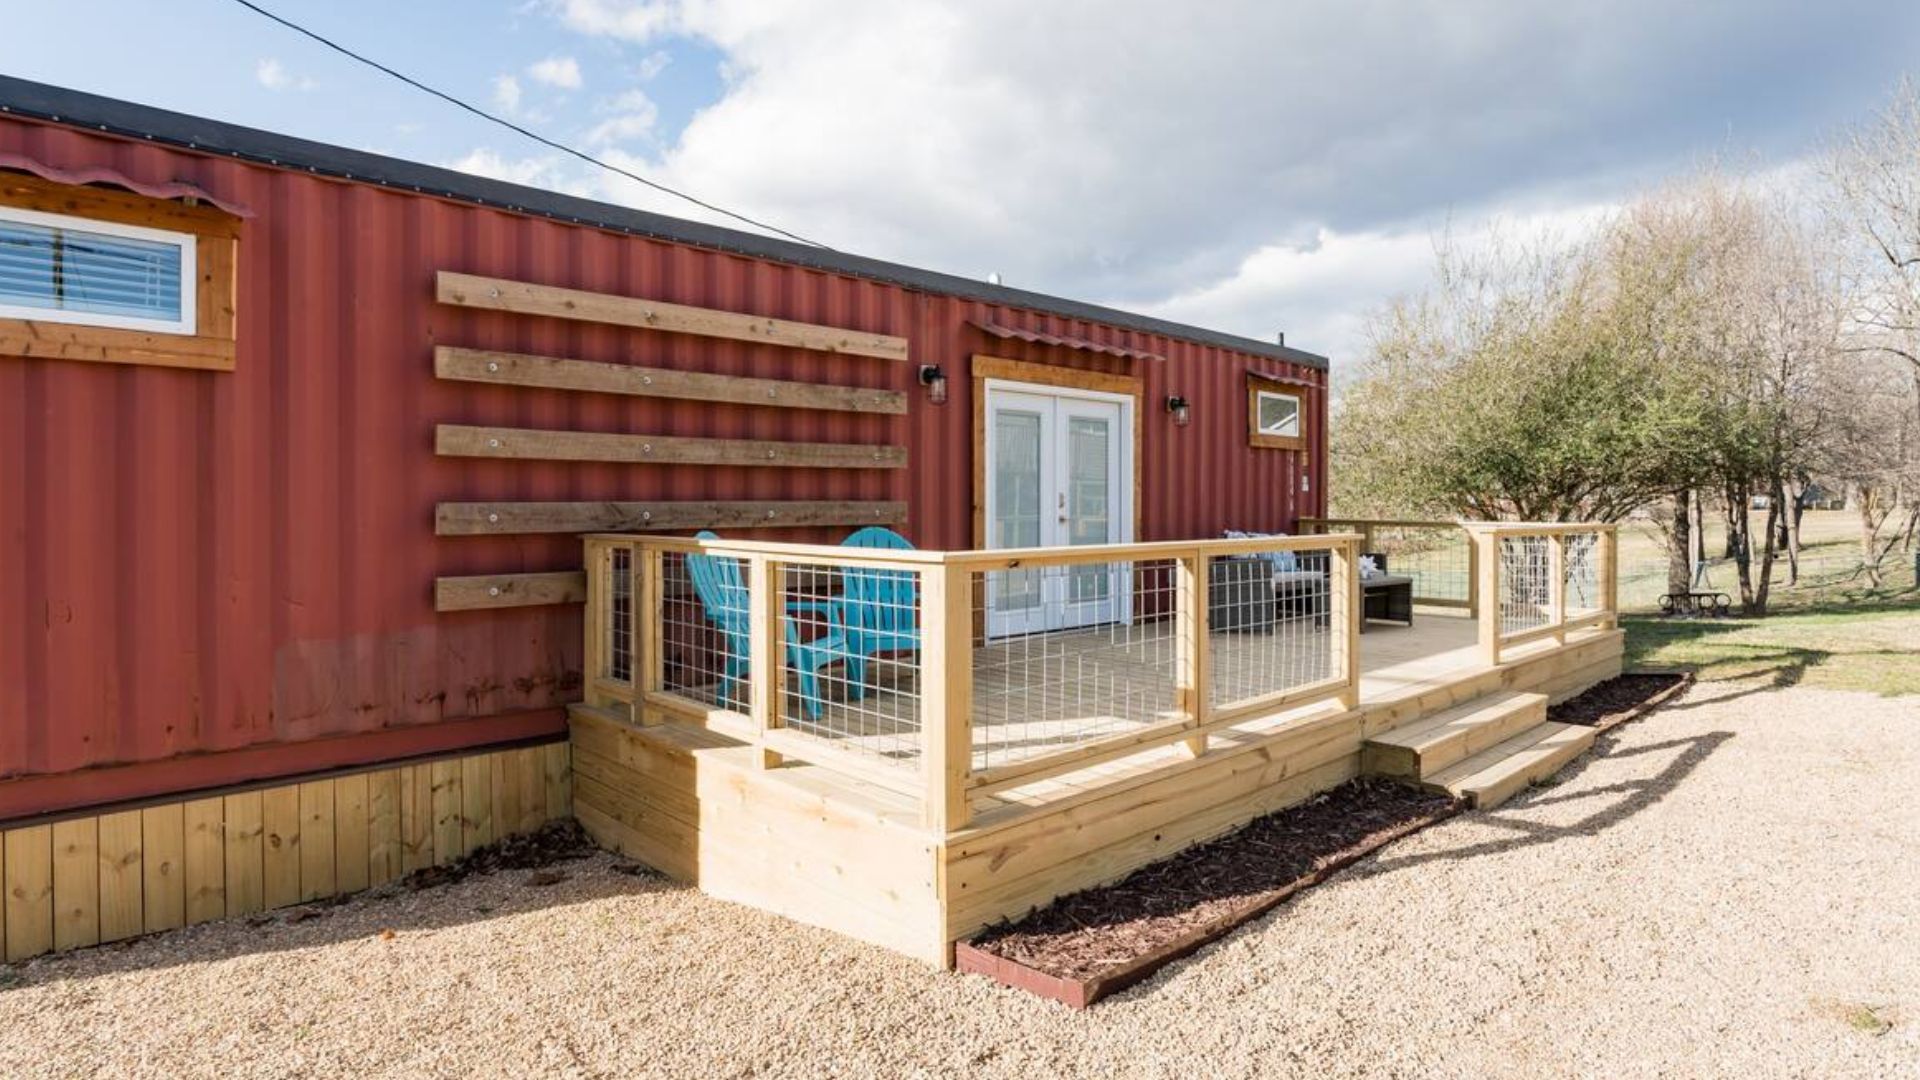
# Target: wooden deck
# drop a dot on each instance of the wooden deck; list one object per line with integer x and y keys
{"x": 977, "y": 779}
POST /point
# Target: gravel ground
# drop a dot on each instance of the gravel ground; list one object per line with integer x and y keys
{"x": 1734, "y": 889}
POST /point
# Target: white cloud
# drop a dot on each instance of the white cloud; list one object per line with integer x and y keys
{"x": 652, "y": 64}
{"x": 632, "y": 117}
{"x": 562, "y": 72}
{"x": 1322, "y": 293}
{"x": 1237, "y": 164}
{"x": 623, "y": 19}
{"x": 506, "y": 93}
{"x": 274, "y": 75}
{"x": 543, "y": 171}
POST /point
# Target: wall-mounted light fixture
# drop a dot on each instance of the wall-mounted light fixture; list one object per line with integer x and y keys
{"x": 1181, "y": 408}
{"x": 935, "y": 381}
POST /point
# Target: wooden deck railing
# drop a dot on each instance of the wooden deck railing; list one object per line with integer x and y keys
{"x": 1539, "y": 581}
{"x": 945, "y": 676}
{"x": 1438, "y": 555}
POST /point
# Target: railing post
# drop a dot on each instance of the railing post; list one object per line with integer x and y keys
{"x": 946, "y": 696}
{"x": 1193, "y": 658}
{"x": 1486, "y": 553}
{"x": 1557, "y": 585}
{"x": 649, "y": 622}
{"x": 1608, "y": 574}
{"x": 1344, "y": 584}
{"x": 765, "y": 624}
{"x": 1473, "y": 574}
{"x": 597, "y": 558}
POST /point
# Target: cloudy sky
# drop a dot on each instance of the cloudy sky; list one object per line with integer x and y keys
{"x": 1250, "y": 165}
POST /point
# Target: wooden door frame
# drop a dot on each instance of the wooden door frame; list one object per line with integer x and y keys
{"x": 986, "y": 367}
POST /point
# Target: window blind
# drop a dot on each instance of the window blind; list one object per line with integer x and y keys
{"x": 77, "y": 270}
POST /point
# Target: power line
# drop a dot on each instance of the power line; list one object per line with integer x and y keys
{"x": 511, "y": 126}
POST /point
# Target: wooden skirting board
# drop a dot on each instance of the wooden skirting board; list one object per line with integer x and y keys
{"x": 460, "y": 440}
{"x": 556, "y": 373}
{"x": 497, "y": 518}
{"x": 86, "y": 880}
{"x": 497, "y": 294}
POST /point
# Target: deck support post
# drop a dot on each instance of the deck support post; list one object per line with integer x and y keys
{"x": 1557, "y": 586}
{"x": 946, "y": 701}
{"x": 1193, "y": 661}
{"x": 649, "y": 620}
{"x": 599, "y": 564}
{"x": 765, "y": 679}
{"x": 1344, "y": 584}
{"x": 1486, "y": 557}
{"x": 1609, "y": 575}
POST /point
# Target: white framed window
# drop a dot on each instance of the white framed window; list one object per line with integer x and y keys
{"x": 56, "y": 268}
{"x": 1277, "y": 414}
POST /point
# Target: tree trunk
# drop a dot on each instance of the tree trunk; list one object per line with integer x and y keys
{"x": 1680, "y": 544}
{"x": 1796, "y": 510}
{"x": 1870, "y": 518}
{"x": 1699, "y": 536}
{"x": 1739, "y": 549}
{"x": 1772, "y": 532}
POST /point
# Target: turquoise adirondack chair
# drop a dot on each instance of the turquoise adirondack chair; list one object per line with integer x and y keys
{"x": 723, "y": 595}
{"x": 875, "y": 608}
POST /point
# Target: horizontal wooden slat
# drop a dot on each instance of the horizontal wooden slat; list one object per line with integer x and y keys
{"x": 495, "y": 294}
{"x": 509, "y": 590}
{"x": 485, "y": 519}
{"x": 459, "y": 440}
{"x": 558, "y": 373}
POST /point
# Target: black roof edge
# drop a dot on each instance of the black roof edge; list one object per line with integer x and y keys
{"x": 75, "y": 108}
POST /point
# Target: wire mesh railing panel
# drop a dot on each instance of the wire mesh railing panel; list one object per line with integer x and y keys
{"x": 1439, "y": 559}
{"x": 1268, "y": 624}
{"x": 1525, "y": 589}
{"x": 1580, "y": 574}
{"x": 619, "y": 629}
{"x": 1071, "y": 654}
{"x": 704, "y": 621}
{"x": 850, "y": 657}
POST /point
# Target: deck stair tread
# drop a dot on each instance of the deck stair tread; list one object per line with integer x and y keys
{"x": 1432, "y": 743}
{"x": 1499, "y": 772}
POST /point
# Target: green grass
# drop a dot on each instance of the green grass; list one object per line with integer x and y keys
{"x": 1831, "y": 632}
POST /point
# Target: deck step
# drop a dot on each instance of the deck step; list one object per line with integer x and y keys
{"x": 1502, "y": 771}
{"x": 1420, "y": 749}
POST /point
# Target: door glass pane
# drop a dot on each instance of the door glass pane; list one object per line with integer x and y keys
{"x": 1016, "y": 502}
{"x": 1089, "y": 497}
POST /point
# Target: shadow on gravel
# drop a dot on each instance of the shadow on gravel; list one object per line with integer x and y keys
{"x": 516, "y": 877}
{"x": 1640, "y": 795}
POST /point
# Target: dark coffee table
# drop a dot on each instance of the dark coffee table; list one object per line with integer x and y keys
{"x": 1388, "y": 597}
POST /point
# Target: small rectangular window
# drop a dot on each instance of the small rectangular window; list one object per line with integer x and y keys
{"x": 55, "y": 268}
{"x": 1279, "y": 414}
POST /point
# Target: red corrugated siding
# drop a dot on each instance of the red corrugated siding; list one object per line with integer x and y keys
{"x": 194, "y": 562}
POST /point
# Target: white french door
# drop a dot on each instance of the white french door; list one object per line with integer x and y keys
{"x": 1059, "y": 468}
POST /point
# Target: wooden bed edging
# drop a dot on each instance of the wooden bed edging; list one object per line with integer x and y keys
{"x": 1685, "y": 684}
{"x": 1082, "y": 993}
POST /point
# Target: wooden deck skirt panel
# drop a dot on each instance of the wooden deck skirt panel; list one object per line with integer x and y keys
{"x": 94, "y": 878}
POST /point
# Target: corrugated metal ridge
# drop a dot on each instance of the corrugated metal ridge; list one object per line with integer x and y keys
{"x": 113, "y": 116}
{"x": 100, "y": 174}
{"x": 1038, "y": 338}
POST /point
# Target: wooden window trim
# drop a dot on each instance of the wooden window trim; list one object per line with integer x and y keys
{"x": 216, "y": 234}
{"x": 1273, "y": 442}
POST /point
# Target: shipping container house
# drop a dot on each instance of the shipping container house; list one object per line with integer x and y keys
{"x": 298, "y": 445}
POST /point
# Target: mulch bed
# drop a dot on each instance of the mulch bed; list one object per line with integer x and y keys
{"x": 1621, "y": 698}
{"x": 1092, "y": 943}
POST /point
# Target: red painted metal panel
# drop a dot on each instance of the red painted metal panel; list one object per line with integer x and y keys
{"x": 195, "y": 563}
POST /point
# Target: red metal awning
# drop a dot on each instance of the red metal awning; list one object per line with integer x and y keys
{"x": 100, "y": 174}
{"x": 1038, "y": 338}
